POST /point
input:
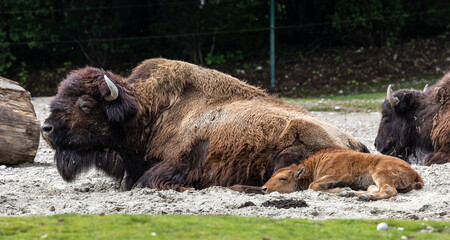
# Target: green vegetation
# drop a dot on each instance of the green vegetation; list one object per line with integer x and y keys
{"x": 211, "y": 227}
{"x": 367, "y": 102}
{"x": 37, "y": 37}
{"x": 363, "y": 102}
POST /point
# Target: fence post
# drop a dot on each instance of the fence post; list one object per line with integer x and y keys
{"x": 272, "y": 43}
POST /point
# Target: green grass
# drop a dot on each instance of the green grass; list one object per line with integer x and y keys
{"x": 368, "y": 99}
{"x": 210, "y": 227}
{"x": 376, "y": 86}
{"x": 365, "y": 102}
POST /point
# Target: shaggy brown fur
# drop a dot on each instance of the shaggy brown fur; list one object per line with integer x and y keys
{"x": 337, "y": 170}
{"x": 418, "y": 123}
{"x": 179, "y": 126}
{"x": 440, "y": 134}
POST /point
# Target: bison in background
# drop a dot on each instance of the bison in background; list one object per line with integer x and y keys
{"x": 174, "y": 125}
{"x": 341, "y": 170}
{"x": 417, "y": 122}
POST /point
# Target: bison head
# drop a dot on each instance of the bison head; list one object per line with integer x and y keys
{"x": 397, "y": 133}
{"x": 86, "y": 124}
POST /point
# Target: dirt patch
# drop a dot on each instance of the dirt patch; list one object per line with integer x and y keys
{"x": 285, "y": 203}
{"x": 37, "y": 189}
{"x": 347, "y": 71}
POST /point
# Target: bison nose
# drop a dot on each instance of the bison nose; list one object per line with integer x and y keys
{"x": 378, "y": 145}
{"x": 263, "y": 189}
{"x": 46, "y": 128}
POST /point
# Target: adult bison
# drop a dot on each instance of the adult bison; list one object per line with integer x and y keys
{"x": 417, "y": 122}
{"x": 174, "y": 125}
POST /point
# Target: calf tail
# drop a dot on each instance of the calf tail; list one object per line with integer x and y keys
{"x": 418, "y": 182}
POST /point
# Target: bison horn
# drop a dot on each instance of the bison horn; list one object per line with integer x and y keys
{"x": 112, "y": 88}
{"x": 393, "y": 101}
{"x": 425, "y": 88}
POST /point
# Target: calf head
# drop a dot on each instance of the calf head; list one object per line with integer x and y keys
{"x": 397, "y": 135}
{"x": 285, "y": 180}
{"x": 86, "y": 122}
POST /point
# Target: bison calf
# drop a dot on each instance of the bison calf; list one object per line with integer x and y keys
{"x": 337, "y": 170}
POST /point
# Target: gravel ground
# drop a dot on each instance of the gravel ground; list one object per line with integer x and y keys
{"x": 37, "y": 189}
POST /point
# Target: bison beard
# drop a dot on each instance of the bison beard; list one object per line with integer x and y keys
{"x": 70, "y": 163}
{"x": 174, "y": 125}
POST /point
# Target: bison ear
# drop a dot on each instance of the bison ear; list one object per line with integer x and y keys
{"x": 442, "y": 95}
{"x": 299, "y": 173}
{"x": 120, "y": 105}
{"x": 405, "y": 103}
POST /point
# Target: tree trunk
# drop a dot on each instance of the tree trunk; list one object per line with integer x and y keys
{"x": 19, "y": 128}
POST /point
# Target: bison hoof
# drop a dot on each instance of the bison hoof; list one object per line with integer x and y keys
{"x": 344, "y": 194}
{"x": 366, "y": 197}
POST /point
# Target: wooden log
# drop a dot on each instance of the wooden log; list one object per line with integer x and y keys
{"x": 19, "y": 128}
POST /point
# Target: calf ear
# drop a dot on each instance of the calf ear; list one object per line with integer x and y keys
{"x": 405, "y": 103}
{"x": 299, "y": 173}
{"x": 120, "y": 105}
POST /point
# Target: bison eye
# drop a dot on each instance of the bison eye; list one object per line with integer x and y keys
{"x": 86, "y": 108}
{"x": 86, "y": 103}
{"x": 283, "y": 179}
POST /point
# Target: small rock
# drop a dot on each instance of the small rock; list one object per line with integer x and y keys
{"x": 2, "y": 167}
{"x": 315, "y": 213}
{"x": 400, "y": 229}
{"x": 247, "y": 204}
{"x": 382, "y": 226}
{"x": 375, "y": 211}
{"x": 44, "y": 236}
{"x": 428, "y": 229}
{"x": 52, "y": 208}
{"x": 424, "y": 207}
{"x": 404, "y": 237}
{"x": 154, "y": 234}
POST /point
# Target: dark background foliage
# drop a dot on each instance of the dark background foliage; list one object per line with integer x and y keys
{"x": 40, "y": 41}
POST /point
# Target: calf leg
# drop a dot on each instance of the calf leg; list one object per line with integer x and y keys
{"x": 386, "y": 191}
{"x": 372, "y": 189}
{"x": 330, "y": 184}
